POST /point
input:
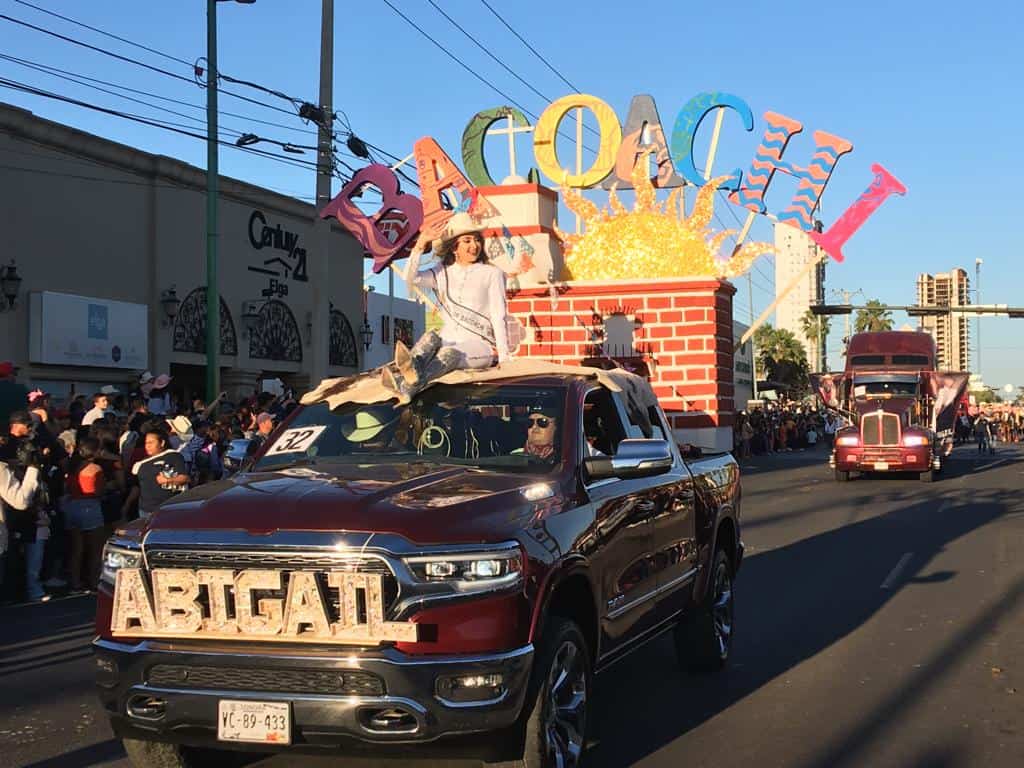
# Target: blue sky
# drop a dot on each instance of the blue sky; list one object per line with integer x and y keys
{"x": 930, "y": 90}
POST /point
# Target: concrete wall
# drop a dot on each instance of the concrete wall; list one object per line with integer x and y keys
{"x": 87, "y": 216}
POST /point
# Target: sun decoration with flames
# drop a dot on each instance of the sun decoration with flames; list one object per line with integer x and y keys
{"x": 651, "y": 241}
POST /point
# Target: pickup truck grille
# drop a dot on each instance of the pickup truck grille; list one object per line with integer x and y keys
{"x": 343, "y": 682}
{"x": 321, "y": 562}
{"x": 880, "y": 429}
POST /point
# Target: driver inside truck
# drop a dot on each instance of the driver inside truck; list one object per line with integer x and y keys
{"x": 541, "y": 434}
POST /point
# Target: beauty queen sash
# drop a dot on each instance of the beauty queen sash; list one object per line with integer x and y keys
{"x": 479, "y": 324}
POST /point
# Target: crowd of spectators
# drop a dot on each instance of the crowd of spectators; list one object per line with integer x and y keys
{"x": 782, "y": 427}
{"x": 104, "y": 460}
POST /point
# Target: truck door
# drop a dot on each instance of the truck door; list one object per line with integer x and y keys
{"x": 674, "y": 528}
{"x": 622, "y": 543}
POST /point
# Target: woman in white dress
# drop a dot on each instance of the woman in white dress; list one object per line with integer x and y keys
{"x": 474, "y": 310}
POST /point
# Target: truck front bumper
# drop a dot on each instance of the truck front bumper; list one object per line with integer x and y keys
{"x": 399, "y": 703}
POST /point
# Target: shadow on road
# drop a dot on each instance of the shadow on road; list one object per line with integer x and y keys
{"x": 792, "y": 603}
{"x": 95, "y": 754}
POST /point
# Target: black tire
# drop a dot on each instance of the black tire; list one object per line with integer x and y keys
{"x": 842, "y": 477}
{"x": 155, "y": 754}
{"x": 555, "y": 718}
{"x": 927, "y": 477}
{"x": 704, "y": 640}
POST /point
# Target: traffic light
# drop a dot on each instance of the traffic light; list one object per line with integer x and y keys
{"x": 927, "y": 311}
{"x": 831, "y": 309}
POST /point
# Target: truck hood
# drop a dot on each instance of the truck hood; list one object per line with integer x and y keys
{"x": 425, "y": 502}
{"x": 891, "y": 405}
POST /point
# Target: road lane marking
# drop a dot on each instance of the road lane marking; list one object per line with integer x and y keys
{"x": 894, "y": 574}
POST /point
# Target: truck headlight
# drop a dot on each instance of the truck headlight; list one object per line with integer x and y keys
{"x": 848, "y": 440}
{"x": 117, "y": 556}
{"x": 469, "y": 570}
{"x": 911, "y": 440}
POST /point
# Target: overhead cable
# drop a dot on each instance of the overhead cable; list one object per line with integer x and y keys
{"x": 532, "y": 49}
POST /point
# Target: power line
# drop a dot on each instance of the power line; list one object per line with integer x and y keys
{"x": 191, "y": 65}
{"x": 466, "y": 67}
{"x": 532, "y": 49}
{"x": 168, "y": 99}
{"x": 107, "y": 34}
{"x": 182, "y": 130}
{"x": 142, "y": 64}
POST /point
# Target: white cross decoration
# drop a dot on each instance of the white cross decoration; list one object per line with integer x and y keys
{"x": 511, "y": 132}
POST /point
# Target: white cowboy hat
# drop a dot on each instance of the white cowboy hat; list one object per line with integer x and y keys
{"x": 366, "y": 427}
{"x": 110, "y": 389}
{"x": 182, "y": 427}
{"x": 459, "y": 224}
{"x": 145, "y": 378}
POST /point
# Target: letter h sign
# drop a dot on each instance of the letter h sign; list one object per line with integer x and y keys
{"x": 813, "y": 177}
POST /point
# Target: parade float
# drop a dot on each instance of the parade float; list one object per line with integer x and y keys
{"x": 645, "y": 287}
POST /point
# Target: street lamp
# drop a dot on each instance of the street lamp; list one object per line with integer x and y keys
{"x": 212, "y": 172}
{"x": 170, "y": 303}
{"x": 10, "y": 282}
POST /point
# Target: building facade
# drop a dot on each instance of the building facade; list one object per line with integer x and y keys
{"x": 111, "y": 245}
{"x": 794, "y": 250}
{"x": 390, "y": 320}
{"x": 951, "y": 331}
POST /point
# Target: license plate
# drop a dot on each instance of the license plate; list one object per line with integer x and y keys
{"x": 262, "y": 722}
{"x": 881, "y": 466}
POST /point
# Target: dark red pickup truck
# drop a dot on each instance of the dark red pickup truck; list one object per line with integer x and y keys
{"x": 448, "y": 574}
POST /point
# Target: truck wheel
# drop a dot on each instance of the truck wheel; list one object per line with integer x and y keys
{"x": 927, "y": 477}
{"x": 842, "y": 477}
{"x": 155, "y": 754}
{"x": 554, "y": 719}
{"x": 704, "y": 641}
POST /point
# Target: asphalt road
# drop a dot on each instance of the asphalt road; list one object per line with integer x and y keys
{"x": 880, "y": 623}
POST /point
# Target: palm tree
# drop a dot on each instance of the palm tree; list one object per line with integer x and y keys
{"x": 874, "y": 317}
{"x": 781, "y": 357}
{"x": 811, "y": 325}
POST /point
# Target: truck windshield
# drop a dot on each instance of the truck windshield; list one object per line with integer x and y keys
{"x": 511, "y": 428}
{"x": 885, "y": 388}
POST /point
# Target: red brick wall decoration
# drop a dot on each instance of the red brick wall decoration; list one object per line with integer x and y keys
{"x": 683, "y": 335}
{"x": 649, "y": 290}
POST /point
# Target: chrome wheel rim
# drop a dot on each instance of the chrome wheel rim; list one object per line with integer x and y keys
{"x": 565, "y": 707}
{"x": 721, "y": 610}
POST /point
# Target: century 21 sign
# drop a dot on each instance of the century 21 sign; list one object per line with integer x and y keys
{"x": 619, "y": 151}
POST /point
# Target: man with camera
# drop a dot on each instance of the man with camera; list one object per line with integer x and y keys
{"x": 20, "y": 462}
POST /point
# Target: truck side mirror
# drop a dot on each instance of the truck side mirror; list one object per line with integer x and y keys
{"x": 634, "y": 458}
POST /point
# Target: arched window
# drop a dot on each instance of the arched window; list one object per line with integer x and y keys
{"x": 343, "y": 341}
{"x": 190, "y": 326}
{"x": 276, "y": 336}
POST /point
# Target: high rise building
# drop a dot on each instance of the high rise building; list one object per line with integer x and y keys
{"x": 793, "y": 251}
{"x": 951, "y": 331}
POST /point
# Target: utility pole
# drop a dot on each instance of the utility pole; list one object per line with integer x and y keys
{"x": 320, "y": 263}
{"x": 212, "y": 171}
{"x": 753, "y": 349}
{"x": 977, "y": 321}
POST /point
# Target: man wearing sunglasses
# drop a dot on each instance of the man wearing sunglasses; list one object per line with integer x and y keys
{"x": 541, "y": 434}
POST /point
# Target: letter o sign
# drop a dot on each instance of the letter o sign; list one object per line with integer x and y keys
{"x": 547, "y": 128}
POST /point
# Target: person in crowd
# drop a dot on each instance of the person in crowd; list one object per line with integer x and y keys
{"x": 13, "y": 395}
{"x": 100, "y": 409}
{"x": 474, "y": 310}
{"x": 156, "y": 392}
{"x": 16, "y": 497}
{"x": 162, "y": 474}
{"x": 83, "y": 513}
{"x": 264, "y": 426}
{"x": 983, "y": 434}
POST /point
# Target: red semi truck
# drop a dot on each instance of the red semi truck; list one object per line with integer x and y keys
{"x": 901, "y": 410}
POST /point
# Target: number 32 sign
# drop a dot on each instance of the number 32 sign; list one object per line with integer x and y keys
{"x": 295, "y": 440}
